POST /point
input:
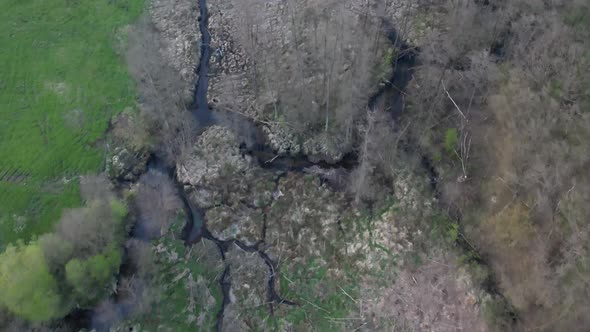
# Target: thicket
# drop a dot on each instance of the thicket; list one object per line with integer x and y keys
{"x": 74, "y": 266}
{"x": 162, "y": 103}
{"x": 500, "y": 106}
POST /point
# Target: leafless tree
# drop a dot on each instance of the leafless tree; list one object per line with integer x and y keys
{"x": 377, "y": 153}
{"x": 157, "y": 203}
{"x": 328, "y": 50}
{"x": 95, "y": 187}
{"x": 89, "y": 229}
{"x": 162, "y": 91}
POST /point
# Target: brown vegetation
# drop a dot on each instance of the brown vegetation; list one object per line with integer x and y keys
{"x": 163, "y": 98}
{"x": 157, "y": 204}
{"x": 510, "y": 79}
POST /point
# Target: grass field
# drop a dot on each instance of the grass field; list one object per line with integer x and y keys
{"x": 60, "y": 82}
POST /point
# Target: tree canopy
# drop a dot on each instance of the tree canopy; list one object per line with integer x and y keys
{"x": 27, "y": 288}
{"x": 71, "y": 267}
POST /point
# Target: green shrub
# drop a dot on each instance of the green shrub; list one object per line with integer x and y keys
{"x": 451, "y": 139}
{"x": 385, "y": 69}
{"x": 498, "y": 313}
{"x": 91, "y": 277}
{"x": 27, "y": 288}
{"x": 578, "y": 16}
{"x": 73, "y": 267}
{"x": 444, "y": 229}
{"x": 119, "y": 210}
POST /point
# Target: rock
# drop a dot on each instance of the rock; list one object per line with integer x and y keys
{"x": 128, "y": 152}
{"x": 249, "y": 291}
{"x": 216, "y": 153}
{"x": 241, "y": 223}
{"x": 126, "y": 165}
{"x": 177, "y": 21}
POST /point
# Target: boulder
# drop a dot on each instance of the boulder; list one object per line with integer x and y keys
{"x": 177, "y": 21}
{"x": 216, "y": 153}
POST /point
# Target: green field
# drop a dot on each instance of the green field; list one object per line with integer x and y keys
{"x": 60, "y": 83}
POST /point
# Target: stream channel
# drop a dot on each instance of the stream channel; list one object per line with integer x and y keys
{"x": 195, "y": 228}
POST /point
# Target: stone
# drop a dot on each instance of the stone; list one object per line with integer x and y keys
{"x": 240, "y": 223}
{"x": 126, "y": 165}
{"x": 215, "y": 153}
{"x": 177, "y": 21}
{"x": 249, "y": 291}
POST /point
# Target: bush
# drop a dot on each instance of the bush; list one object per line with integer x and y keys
{"x": 445, "y": 230}
{"x": 90, "y": 277}
{"x": 27, "y": 288}
{"x": 72, "y": 267}
{"x": 498, "y": 313}
{"x": 451, "y": 139}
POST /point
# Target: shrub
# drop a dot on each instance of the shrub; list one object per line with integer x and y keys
{"x": 498, "y": 313}
{"x": 444, "y": 229}
{"x": 451, "y": 139}
{"x": 27, "y": 288}
{"x": 92, "y": 276}
{"x": 72, "y": 267}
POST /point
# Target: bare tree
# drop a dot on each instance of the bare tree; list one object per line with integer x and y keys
{"x": 161, "y": 89}
{"x": 157, "y": 202}
{"x": 89, "y": 229}
{"x": 360, "y": 179}
{"x": 326, "y": 54}
{"x": 377, "y": 153}
{"x": 95, "y": 187}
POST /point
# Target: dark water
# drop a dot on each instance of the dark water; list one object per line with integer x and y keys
{"x": 392, "y": 93}
{"x": 204, "y": 115}
{"x": 200, "y": 105}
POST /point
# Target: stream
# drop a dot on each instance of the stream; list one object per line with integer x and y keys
{"x": 195, "y": 227}
{"x": 200, "y": 105}
{"x": 391, "y": 95}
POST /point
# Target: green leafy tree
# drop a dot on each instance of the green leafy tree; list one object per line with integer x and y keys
{"x": 74, "y": 266}
{"x": 91, "y": 277}
{"x": 27, "y": 288}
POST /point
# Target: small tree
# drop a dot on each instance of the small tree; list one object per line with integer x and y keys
{"x": 91, "y": 277}
{"x": 27, "y": 288}
{"x": 73, "y": 267}
{"x": 157, "y": 202}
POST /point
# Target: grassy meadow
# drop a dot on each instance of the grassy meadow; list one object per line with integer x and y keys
{"x": 61, "y": 80}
